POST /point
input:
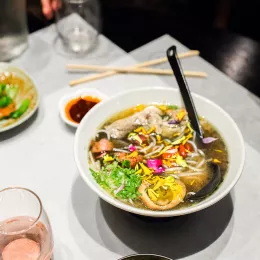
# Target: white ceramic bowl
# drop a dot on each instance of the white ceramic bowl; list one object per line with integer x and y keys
{"x": 216, "y": 115}
{"x": 79, "y": 93}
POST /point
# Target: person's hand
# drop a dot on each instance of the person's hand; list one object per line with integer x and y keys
{"x": 49, "y": 6}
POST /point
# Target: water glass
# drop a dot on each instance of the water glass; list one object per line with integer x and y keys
{"x": 13, "y": 29}
{"x": 25, "y": 230}
{"x": 78, "y": 24}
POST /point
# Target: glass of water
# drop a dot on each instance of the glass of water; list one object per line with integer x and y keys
{"x": 78, "y": 24}
{"x": 13, "y": 29}
{"x": 25, "y": 230}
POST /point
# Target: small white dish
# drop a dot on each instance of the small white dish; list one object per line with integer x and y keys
{"x": 79, "y": 93}
{"x": 30, "y": 90}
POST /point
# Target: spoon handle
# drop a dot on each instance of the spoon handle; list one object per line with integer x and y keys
{"x": 184, "y": 89}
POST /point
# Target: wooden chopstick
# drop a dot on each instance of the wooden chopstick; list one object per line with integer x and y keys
{"x": 132, "y": 70}
{"x": 140, "y": 65}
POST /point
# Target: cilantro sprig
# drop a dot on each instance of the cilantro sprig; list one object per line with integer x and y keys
{"x": 113, "y": 176}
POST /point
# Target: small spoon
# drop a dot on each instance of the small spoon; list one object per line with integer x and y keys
{"x": 194, "y": 119}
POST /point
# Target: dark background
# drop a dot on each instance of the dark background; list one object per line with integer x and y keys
{"x": 226, "y": 32}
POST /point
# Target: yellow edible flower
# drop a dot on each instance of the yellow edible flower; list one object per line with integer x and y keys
{"x": 189, "y": 136}
{"x": 139, "y": 171}
{"x": 162, "y": 151}
{"x": 142, "y": 129}
{"x": 152, "y": 129}
{"x": 179, "y": 141}
{"x": 163, "y": 107}
{"x": 145, "y": 169}
{"x": 108, "y": 158}
{"x": 180, "y": 161}
{"x": 159, "y": 139}
{"x": 133, "y": 154}
{"x": 216, "y": 161}
{"x": 152, "y": 194}
{"x": 219, "y": 151}
{"x": 159, "y": 184}
{"x": 189, "y": 126}
{"x": 181, "y": 114}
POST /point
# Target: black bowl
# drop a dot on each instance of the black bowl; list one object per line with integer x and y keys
{"x": 145, "y": 257}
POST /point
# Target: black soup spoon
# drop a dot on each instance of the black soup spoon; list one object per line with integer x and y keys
{"x": 194, "y": 119}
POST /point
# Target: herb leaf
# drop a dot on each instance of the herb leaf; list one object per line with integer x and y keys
{"x": 112, "y": 176}
{"x": 126, "y": 164}
{"x": 174, "y": 107}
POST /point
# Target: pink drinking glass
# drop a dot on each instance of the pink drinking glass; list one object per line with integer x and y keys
{"x": 25, "y": 230}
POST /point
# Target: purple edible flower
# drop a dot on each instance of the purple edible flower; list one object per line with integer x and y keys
{"x": 208, "y": 140}
{"x": 173, "y": 122}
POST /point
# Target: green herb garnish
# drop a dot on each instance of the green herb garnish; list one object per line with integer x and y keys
{"x": 173, "y": 107}
{"x": 126, "y": 164}
{"x": 123, "y": 183}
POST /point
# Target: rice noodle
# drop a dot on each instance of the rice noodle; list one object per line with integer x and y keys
{"x": 195, "y": 169}
{"x": 154, "y": 152}
{"x": 173, "y": 169}
{"x": 193, "y": 145}
{"x": 192, "y": 154}
{"x": 152, "y": 144}
{"x": 191, "y": 162}
{"x": 104, "y": 131}
{"x": 120, "y": 150}
{"x": 194, "y": 137}
{"x": 201, "y": 152}
{"x": 201, "y": 163}
{"x": 186, "y": 174}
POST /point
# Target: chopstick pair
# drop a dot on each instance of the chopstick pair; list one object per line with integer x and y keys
{"x": 138, "y": 68}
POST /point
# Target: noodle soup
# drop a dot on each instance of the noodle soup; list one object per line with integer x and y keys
{"x": 149, "y": 157}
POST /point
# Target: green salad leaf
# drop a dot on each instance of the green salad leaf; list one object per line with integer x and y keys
{"x": 121, "y": 182}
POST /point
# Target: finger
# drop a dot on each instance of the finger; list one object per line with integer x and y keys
{"x": 47, "y": 9}
{"x": 56, "y": 4}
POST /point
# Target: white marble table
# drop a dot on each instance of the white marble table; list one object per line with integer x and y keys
{"x": 39, "y": 156}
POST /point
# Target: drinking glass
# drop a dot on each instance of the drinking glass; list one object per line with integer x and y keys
{"x": 13, "y": 29}
{"x": 78, "y": 24}
{"x": 25, "y": 230}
